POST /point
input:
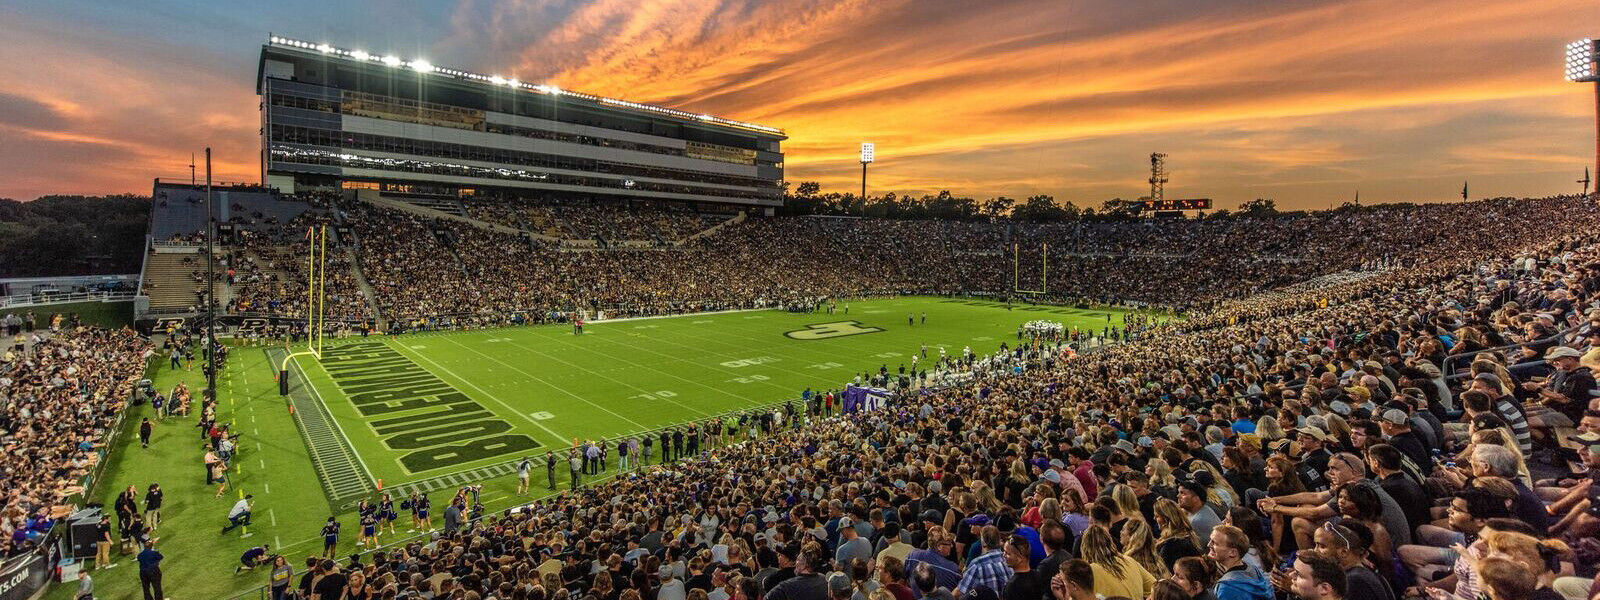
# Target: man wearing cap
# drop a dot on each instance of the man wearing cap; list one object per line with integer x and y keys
{"x": 1579, "y": 509}
{"x": 892, "y": 546}
{"x": 1396, "y": 425}
{"x": 1560, "y": 401}
{"x": 851, "y": 545}
{"x": 1192, "y": 499}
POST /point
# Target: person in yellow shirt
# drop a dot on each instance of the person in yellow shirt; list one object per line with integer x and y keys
{"x": 1115, "y": 574}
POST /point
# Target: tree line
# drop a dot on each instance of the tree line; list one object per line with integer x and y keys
{"x": 807, "y": 198}
{"x": 73, "y": 235}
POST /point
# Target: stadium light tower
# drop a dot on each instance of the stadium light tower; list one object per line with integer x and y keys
{"x": 866, "y": 157}
{"x": 1581, "y": 68}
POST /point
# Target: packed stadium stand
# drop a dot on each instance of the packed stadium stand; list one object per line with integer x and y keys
{"x": 1334, "y": 417}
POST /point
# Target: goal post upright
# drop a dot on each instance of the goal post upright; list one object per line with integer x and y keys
{"x": 316, "y": 280}
{"x": 1016, "y": 270}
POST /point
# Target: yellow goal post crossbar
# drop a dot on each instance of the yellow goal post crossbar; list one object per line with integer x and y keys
{"x": 316, "y": 298}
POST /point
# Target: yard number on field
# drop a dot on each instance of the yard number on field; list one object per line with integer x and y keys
{"x": 750, "y": 379}
{"x": 823, "y": 331}
{"x": 541, "y": 415}
{"x": 749, "y": 362}
{"x": 826, "y": 365}
{"x": 655, "y": 395}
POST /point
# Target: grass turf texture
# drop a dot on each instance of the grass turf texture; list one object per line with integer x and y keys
{"x": 542, "y": 382}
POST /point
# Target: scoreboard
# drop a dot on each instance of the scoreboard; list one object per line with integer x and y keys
{"x": 1184, "y": 204}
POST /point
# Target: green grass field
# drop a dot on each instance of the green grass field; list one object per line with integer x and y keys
{"x": 436, "y": 410}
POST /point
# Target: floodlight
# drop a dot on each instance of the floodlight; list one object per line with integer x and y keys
{"x": 497, "y": 80}
{"x": 360, "y": 55}
{"x": 1581, "y": 57}
{"x": 324, "y": 48}
{"x": 422, "y": 66}
{"x": 866, "y": 152}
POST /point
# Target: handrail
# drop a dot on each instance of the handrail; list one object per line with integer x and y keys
{"x": 22, "y": 300}
{"x": 1450, "y": 360}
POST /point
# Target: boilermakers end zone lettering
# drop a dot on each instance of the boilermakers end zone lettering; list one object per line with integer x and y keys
{"x": 440, "y": 427}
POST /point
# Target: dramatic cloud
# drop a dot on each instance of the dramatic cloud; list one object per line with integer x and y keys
{"x": 1298, "y": 100}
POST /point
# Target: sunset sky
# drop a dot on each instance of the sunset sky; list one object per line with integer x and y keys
{"x": 1304, "y": 102}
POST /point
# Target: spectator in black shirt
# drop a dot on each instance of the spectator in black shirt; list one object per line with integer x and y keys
{"x": 1025, "y": 583}
{"x": 1396, "y": 426}
{"x": 1385, "y": 462}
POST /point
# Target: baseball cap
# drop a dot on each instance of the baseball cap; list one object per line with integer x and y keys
{"x": 979, "y": 520}
{"x": 1395, "y": 416}
{"x": 846, "y": 522}
{"x": 1561, "y": 352}
{"x": 1339, "y": 407}
{"x": 839, "y": 582}
{"x": 932, "y": 515}
{"x": 1056, "y": 463}
{"x": 1052, "y": 477}
{"x": 1588, "y": 440}
{"x": 1315, "y": 432}
{"x": 1489, "y": 378}
{"x": 1125, "y": 446}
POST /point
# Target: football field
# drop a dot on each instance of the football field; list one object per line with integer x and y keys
{"x": 430, "y": 412}
{"x": 432, "y": 405}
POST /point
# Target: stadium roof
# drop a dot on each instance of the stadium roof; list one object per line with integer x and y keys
{"x": 424, "y": 67}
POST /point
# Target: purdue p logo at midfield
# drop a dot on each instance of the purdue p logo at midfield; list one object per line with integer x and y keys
{"x": 823, "y": 331}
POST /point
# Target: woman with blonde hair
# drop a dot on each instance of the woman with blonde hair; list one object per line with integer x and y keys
{"x": 987, "y": 503}
{"x": 1542, "y": 558}
{"x": 1140, "y": 545}
{"x": 1162, "y": 482}
{"x": 1115, "y": 574}
{"x": 1127, "y": 501}
{"x": 1178, "y": 538}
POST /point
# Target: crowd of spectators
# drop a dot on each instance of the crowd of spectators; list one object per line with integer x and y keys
{"x": 658, "y": 223}
{"x": 422, "y": 268}
{"x": 1313, "y": 444}
{"x": 60, "y": 393}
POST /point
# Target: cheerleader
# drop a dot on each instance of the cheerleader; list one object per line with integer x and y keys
{"x": 386, "y": 514}
{"x": 424, "y": 522}
{"x": 330, "y": 538}
{"x": 369, "y": 530}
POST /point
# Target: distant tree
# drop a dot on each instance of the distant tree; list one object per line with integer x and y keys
{"x": 72, "y": 235}
{"x": 1117, "y": 209}
{"x": 998, "y": 207}
{"x": 1040, "y": 208}
{"x": 1260, "y": 207}
{"x": 807, "y": 189}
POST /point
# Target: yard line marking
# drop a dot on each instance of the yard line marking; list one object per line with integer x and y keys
{"x": 644, "y": 366}
{"x": 272, "y": 516}
{"x": 536, "y": 378}
{"x": 276, "y": 543}
{"x": 267, "y": 487}
{"x": 263, "y": 462}
{"x": 559, "y": 438}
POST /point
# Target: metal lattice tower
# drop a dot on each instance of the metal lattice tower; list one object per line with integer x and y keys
{"x": 1158, "y": 175}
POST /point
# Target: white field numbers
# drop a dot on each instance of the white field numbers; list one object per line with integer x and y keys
{"x": 826, "y": 365}
{"x": 749, "y": 379}
{"x": 657, "y": 395}
{"x": 749, "y": 362}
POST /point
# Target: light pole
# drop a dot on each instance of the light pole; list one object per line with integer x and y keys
{"x": 1581, "y": 68}
{"x": 211, "y": 286}
{"x": 866, "y": 157}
